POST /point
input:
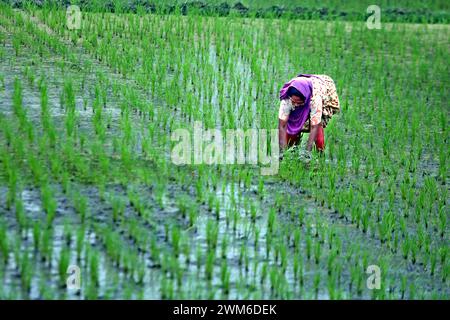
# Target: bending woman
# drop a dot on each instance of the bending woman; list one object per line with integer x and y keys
{"x": 307, "y": 103}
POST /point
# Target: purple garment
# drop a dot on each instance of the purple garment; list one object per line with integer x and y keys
{"x": 298, "y": 116}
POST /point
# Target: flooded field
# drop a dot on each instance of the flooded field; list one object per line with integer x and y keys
{"x": 93, "y": 207}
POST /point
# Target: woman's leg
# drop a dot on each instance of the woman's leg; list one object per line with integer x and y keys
{"x": 320, "y": 139}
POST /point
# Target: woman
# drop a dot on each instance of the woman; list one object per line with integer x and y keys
{"x": 307, "y": 103}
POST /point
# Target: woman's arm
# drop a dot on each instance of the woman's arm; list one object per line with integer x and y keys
{"x": 312, "y": 136}
{"x": 282, "y": 138}
{"x": 283, "y": 117}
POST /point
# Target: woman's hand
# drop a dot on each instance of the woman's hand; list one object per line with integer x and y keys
{"x": 305, "y": 156}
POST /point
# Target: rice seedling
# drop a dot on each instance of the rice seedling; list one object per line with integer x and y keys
{"x": 63, "y": 264}
{"x": 118, "y": 208}
{"x": 26, "y": 273}
{"x": 271, "y": 222}
{"x": 79, "y": 242}
{"x": 20, "y": 215}
{"x": 17, "y": 42}
{"x": 316, "y": 283}
{"x": 48, "y": 203}
{"x": 442, "y": 221}
{"x": 175, "y": 237}
{"x": 308, "y": 246}
{"x": 36, "y": 235}
{"x": 209, "y": 267}
{"x": 46, "y": 245}
{"x": 317, "y": 252}
{"x": 81, "y": 205}
{"x": 93, "y": 267}
{"x": 225, "y": 277}
{"x": 4, "y": 244}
